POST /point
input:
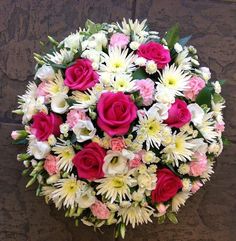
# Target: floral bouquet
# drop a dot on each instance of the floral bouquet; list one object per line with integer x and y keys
{"x": 121, "y": 125}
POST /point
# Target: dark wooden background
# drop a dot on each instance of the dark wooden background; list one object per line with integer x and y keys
{"x": 208, "y": 216}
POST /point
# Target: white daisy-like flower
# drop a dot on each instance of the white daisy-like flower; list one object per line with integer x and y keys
{"x": 136, "y": 214}
{"x": 84, "y": 99}
{"x": 123, "y": 82}
{"x": 67, "y": 190}
{"x": 217, "y": 109}
{"x": 86, "y": 198}
{"x": 179, "y": 148}
{"x": 57, "y": 86}
{"x": 117, "y": 61}
{"x": 183, "y": 61}
{"x": 164, "y": 95}
{"x": 178, "y": 200}
{"x": 63, "y": 57}
{"x": 65, "y": 154}
{"x": 150, "y": 127}
{"x": 118, "y": 186}
{"x": 174, "y": 79}
{"x": 30, "y": 92}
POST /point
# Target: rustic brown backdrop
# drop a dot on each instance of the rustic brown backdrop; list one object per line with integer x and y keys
{"x": 211, "y": 214}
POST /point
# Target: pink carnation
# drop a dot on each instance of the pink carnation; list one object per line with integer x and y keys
{"x": 195, "y": 85}
{"x": 100, "y": 210}
{"x": 196, "y": 186}
{"x": 198, "y": 165}
{"x": 117, "y": 144}
{"x": 136, "y": 162}
{"x": 74, "y": 116}
{"x": 119, "y": 40}
{"x": 42, "y": 90}
{"x": 50, "y": 165}
{"x": 146, "y": 88}
{"x": 220, "y": 127}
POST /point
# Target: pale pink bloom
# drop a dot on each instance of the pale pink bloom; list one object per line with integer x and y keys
{"x": 117, "y": 144}
{"x": 220, "y": 127}
{"x": 119, "y": 40}
{"x": 161, "y": 208}
{"x": 74, "y": 116}
{"x": 196, "y": 186}
{"x": 198, "y": 165}
{"x": 15, "y": 135}
{"x": 50, "y": 165}
{"x": 41, "y": 90}
{"x": 100, "y": 210}
{"x": 136, "y": 162}
{"x": 146, "y": 88}
{"x": 195, "y": 85}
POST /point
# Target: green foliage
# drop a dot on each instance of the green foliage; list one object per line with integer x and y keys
{"x": 139, "y": 74}
{"x": 161, "y": 219}
{"x": 204, "y": 97}
{"x": 172, "y": 36}
{"x": 171, "y": 216}
{"x": 93, "y": 27}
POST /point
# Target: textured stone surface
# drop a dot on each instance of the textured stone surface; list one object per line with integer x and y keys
{"x": 210, "y": 215}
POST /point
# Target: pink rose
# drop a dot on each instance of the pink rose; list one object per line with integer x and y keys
{"x": 156, "y": 52}
{"x": 100, "y": 210}
{"x": 50, "y": 165}
{"x": 117, "y": 144}
{"x": 44, "y": 125}
{"x": 74, "y": 116}
{"x": 89, "y": 161}
{"x": 146, "y": 89}
{"x": 81, "y": 76}
{"x": 196, "y": 186}
{"x": 116, "y": 111}
{"x": 198, "y": 165}
{"x": 195, "y": 85}
{"x": 119, "y": 40}
{"x": 178, "y": 114}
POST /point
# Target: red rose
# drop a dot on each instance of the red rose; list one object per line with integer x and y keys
{"x": 156, "y": 52}
{"x": 89, "y": 161}
{"x": 178, "y": 114}
{"x": 81, "y": 75}
{"x": 45, "y": 125}
{"x": 116, "y": 111}
{"x": 167, "y": 186}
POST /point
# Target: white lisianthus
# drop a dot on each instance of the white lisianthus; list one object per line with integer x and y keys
{"x": 73, "y": 41}
{"x": 151, "y": 67}
{"x": 199, "y": 145}
{"x": 134, "y": 45}
{"x": 86, "y": 198}
{"x": 140, "y": 61}
{"x": 84, "y": 130}
{"x": 164, "y": 95}
{"x": 159, "y": 110}
{"x": 97, "y": 41}
{"x": 206, "y": 73}
{"x": 39, "y": 149}
{"x": 59, "y": 104}
{"x": 92, "y": 55}
{"x": 45, "y": 72}
{"x": 197, "y": 114}
{"x": 115, "y": 163}
{"x": 178, "y": 48}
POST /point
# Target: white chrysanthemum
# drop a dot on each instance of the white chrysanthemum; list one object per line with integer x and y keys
{"x": 83, "y": 99}
{"x": 30, "y": 92}
{"x": 59, "y": 104}
{"x": 123, "y": 82}
{"x": 217, "y": 109}
{"x": 207, "y": 128}
{"x": 67, "y": 190}
{"x": 151, "y": 128}
{"x": 174, "y": 79}
{"x": 45, "y": 72}
{"x": 179, "y": 148}
{"x": 136, "y": 214}
{"x": 207, "y": 174}
{"x": 63, "y": 57}
{"x": 178, "y": 200}
{"x": 57, "y": 86}
{"x": 73, "y": 41}
{"x": 183, "y": 61}
{"x": 164, "y": 95}
{"x": 65, "y": 154}
{"x": 113, "y": 187}
{"x": 47, "y": 192}
{"x": 117, "y": 61}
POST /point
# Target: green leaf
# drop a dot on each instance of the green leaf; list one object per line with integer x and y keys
{"x": 204, "y": 97}
{"x": 183, "y": 41}
{"x": 226, "y": 141}
{"x": 172, "y": 36}
{"x": 161, "y": 219}
{"x": 218, "y": 98}
{"x": 171, "y": 216}
{"x": 222, "y": 82}
{"x": 139, "y": 74}
{"x": 122, "y": 230}
{"x": 31, "y": 181}
{"x": 70, "y": 101}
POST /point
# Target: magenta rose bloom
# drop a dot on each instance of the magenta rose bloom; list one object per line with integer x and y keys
{"x": 116, "y": 111}
{"x": 89, "y": 161}
{"x": 178, "y": 114}
{"x": 81, "y": 76}
{"x": 156, "y": 52}
{"x": 44, "y": 125}
{"x": 167, "y": 186}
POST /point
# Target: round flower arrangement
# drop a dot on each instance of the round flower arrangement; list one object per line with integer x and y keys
{"x": 121, "y": 125}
